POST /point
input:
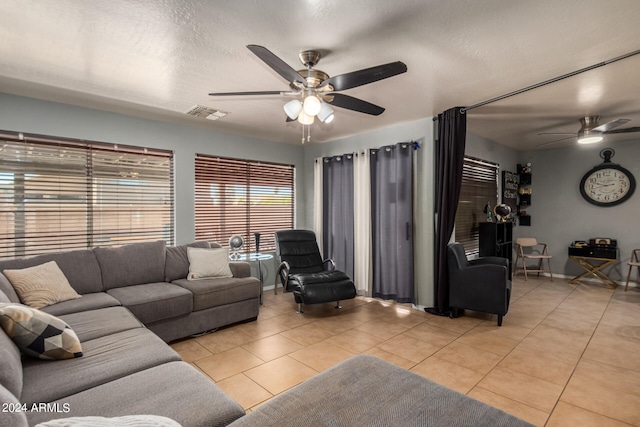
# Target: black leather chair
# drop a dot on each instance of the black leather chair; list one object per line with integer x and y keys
{"x": 480, "y": 284}
{"x": 303, "y": 272}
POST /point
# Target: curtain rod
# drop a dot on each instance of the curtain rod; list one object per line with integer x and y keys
{"x": 546, "y": 82}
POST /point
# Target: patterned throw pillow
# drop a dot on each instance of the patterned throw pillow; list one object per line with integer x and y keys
{"x": 39, "y": 334}
{"x": 41, "y": 285}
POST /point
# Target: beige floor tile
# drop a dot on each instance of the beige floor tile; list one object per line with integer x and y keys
{"x": 280, "y": 374}
{"x": 189, "y": 350}
{"x": 535, "y": 365}
{"x": 308, "y": 334}
{"x": 321, "y": 356}
{"x": 479, "y": 360}
{"x": 432, "y": 334}
{"x": 461, "y": 324}
{"x": 522, "y": 388}
{"x": 223, "y": 340}
{"x": 565, "y": 346}
{"x": 262, "y": 329}
{"x": 244, "y": 390}
{"x": 382, "y": 328}
{"x": 603, "y": 400}
{"x": 569, "y": 415}
{"x": 272, "y": 347}
{"x": 488, "y": 339}
{"x": 520, "y": 410}
{"x": 355, "y": 341}
{"x": 228, "y": 363}
{"x": 571, "y": 321}
{"x": 409, "y": 348}
{"x": 609, "y": 376}
{"x": 339, "y": 323}
{"x": 390, "y": 357}
{"x": 448, "y": 374}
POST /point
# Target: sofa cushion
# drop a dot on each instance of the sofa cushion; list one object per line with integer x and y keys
{"x": 176, "y": 265}
{"x": 154, "y": 301}
{"x": 105, "y": 359}
{"x": 86, "y": 302}
{"x": 191, "y": 400}
{"x": 11, "y": 365}
{"x": 39, "y": 334}
{"x": 93, "y": 324}
{"x": 220, "y": 291}
{"x": 11, "y": 418}
{"x": 7, "y": 292}
{"x": 208, "y": 263}
{"x": 133, "y": 264}
{"x": 79, "y": 267}
{"x": 41, "y": 285}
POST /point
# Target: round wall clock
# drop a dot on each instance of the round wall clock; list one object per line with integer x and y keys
{"x": 607, "y": 184}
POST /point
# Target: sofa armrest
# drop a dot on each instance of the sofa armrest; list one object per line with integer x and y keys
{"x": 240, "y": 269}
{"x": 490, "y": 260}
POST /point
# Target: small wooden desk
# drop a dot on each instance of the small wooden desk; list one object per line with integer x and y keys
{"x": 594, "y": 266}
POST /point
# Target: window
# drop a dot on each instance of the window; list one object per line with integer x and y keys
{"x": 243, "y": 197}
{"x": 63, "y": 194}
{"x": 479, "y": 187}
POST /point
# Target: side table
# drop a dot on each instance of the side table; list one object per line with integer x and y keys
{"x": 257, "y": 257}
{"x": 594, "y": 267}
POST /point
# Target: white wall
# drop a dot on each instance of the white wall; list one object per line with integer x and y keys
{"x": 41, "y": 117}
{"x": 421, "y": 131}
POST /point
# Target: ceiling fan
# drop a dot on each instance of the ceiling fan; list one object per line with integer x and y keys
{"x": 314, "y": 90}
{"x": 591, "y": 131}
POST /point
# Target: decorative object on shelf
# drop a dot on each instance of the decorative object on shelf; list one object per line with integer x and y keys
{"x": 236, "y": 242}
{"x": 607, "y": 184}
{"x": 257, "y": 237}
{"x": 487, "y": 210}
{"x": 524, "y": 193}
{"x": 502, "y": 212}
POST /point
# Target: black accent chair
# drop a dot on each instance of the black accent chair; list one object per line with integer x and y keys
{"x": 303, "y": 272}
{"x": 480, "y": 284}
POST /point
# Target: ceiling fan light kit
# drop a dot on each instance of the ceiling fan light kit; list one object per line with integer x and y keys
{"x": 317, "y": 90}
{"x": 591, "y": 131}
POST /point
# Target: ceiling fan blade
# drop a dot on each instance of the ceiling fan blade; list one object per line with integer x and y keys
{"x": 277, "y": 64}
{"x": 553, "y": 142}
{"x": 611, "y": 125}
{"x": 264, "y": 92}
{"x": 355, "y": 104}
{"x": 365, "y": 76}
{"x": 626, "y": 130}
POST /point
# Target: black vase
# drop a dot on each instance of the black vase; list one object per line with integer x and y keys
{"x": 257, "y": 236}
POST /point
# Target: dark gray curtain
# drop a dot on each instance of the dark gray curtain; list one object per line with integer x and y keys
{"x": 450, "y": 146}
{"x": 337, "y": 211}
{"x": 392, "y": 222}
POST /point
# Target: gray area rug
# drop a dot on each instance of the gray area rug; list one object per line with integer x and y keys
{"x": 367, "y": 391}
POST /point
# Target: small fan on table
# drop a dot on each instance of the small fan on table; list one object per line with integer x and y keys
{"x": 236, "y": 242}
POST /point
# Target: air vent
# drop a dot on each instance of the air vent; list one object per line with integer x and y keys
{"x": 206, "y": 112}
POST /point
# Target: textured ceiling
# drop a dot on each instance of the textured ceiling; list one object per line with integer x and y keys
{"x": 159, "y": 58}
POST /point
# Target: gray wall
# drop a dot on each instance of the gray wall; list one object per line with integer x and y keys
{"x": 559, "y": 214}
{"x": 48, "y": 118}
{"x": 41, "y": 117}
{"x": 421, "y": 131}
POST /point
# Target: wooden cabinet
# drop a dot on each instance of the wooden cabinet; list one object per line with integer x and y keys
{"x": 496, "y": 239}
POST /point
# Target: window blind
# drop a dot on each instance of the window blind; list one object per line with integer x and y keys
{"x": 235, "y": 196}
{"x": 63, "y": 194}
{"x": 479, "y": 187}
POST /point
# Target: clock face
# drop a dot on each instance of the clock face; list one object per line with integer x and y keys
{"x": 607, "y": 185}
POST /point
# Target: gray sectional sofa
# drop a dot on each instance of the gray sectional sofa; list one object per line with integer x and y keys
{"x": 134, "y": 299}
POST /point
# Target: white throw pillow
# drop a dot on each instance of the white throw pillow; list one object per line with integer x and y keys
{"x": 208, "y": 263}
{"x": 41, "y": 285}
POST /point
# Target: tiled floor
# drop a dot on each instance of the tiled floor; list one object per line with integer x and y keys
{"x": 566, "y": 355}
